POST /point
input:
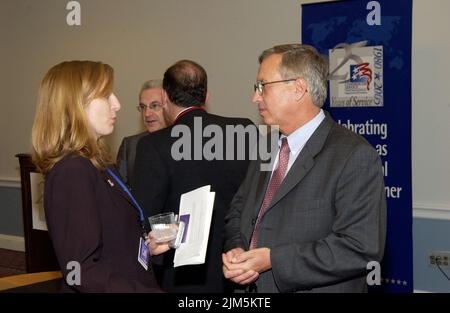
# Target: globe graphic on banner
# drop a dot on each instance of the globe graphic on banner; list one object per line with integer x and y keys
{"x": 359, "y": 31}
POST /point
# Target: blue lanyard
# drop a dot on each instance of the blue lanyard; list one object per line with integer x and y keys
{"x": 141, "y": 212}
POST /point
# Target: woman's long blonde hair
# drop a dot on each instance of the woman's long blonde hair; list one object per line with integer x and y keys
{"x": 60, "y": 125}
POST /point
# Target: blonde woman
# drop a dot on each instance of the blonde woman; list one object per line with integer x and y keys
{"x": 93, "y": 221}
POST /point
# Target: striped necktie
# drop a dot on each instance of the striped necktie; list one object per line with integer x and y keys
{"x": 274, "y": 184}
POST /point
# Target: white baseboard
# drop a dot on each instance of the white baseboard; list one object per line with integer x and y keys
{"x": 10, "y": 183}
{"x": 431, "y": 211}
{"x": 421, "y": 291}
{"x": 15, "y": 243}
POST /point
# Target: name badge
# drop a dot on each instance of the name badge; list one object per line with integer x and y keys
{"x": 144, "y": 254}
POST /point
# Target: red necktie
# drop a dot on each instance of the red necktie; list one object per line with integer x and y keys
{"x": 274, "y": 184}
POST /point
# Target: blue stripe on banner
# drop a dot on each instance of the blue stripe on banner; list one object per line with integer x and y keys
{"x": 370, "y": 93}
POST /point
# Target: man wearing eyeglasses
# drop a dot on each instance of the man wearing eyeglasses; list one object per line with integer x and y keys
{"x": 316, "y": 220}
{"x": 161, "y": 177}
{"x": 150, "y": 106}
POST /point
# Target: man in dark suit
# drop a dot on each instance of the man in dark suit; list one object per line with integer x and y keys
{"x": 316, "y": 220}
{"x": 163, "y": 172}
{"x": 150, "y": 106}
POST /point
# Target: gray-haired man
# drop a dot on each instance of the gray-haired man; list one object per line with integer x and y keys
{"x": 316, "y": 220}
{"x": 150, "y": 105}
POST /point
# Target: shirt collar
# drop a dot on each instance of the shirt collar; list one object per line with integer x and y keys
{"x": 300, "y": 136}
{"x": 187, "y": 110}
{"x": 181, "y": 112}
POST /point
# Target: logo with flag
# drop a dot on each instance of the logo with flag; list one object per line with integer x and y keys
{"x": 356, "y": 76}
{"x": 361, "y": 73}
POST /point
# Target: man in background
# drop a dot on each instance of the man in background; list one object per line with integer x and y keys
{"x": 161, "y": 178}
{"x": 150, "y": 106}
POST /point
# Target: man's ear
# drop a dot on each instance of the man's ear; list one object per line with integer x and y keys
{"x": 207, "y": 97}
{"x": 164, "y": 97}
{"x": 301, "y": 88}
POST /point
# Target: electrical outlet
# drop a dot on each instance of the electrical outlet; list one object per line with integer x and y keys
{"x": 441, "y": 258}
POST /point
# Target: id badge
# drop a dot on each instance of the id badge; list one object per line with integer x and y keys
{"x": 144, "y": 253}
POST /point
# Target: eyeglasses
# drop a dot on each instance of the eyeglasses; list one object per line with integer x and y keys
{"x": 154, "y": 106}
{"x": 259, "y": 86}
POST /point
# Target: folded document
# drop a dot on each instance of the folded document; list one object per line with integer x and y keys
{"x": 196, "y": 208}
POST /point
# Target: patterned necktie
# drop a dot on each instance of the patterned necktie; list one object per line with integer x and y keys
{"x": 274, "y": 184}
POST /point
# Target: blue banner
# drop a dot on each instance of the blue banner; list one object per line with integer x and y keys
{"x": 369, "y": 48}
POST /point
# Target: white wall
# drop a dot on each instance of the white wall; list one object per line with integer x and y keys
{"x": 431, "y": 103}
{"x": 140, "y": 38}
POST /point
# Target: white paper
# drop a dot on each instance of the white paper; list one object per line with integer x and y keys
{"x": 198, "y": 204}
{"x": 37, "y": 205}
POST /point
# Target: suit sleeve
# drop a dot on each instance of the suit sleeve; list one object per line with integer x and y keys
{"x": 122, "y": 160}
{"x": 150, "y": 183}
{"x": 357, "y": 236}
{"x": 233, "y": 237}
{"x": 232, "y": 231}
{"x": 150, "y": 179}
{"x": 75, "y": 227}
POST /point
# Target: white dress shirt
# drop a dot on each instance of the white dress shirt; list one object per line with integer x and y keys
{"x": 298, "y": 139}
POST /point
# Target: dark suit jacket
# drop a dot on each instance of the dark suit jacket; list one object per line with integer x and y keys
{"x": 327, "y": 220}
{"x": 159, "y": 183}
{"x": 127, "y": 155}
{"x": 97, "y": 225}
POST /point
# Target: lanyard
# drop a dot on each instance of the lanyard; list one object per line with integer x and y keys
{"x": 141, "y": 212}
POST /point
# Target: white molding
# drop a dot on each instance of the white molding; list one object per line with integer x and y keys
{"x": 420, "y": 210}
{"x": 9, "y": 182}
{"x": 431, "y": 211}
{"x": 9, "y": 242}
{"x": 421, "y": 291}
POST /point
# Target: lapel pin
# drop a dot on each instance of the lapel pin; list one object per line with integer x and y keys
{"x": 110, "y": 182}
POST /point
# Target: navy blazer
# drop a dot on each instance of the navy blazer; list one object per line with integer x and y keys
{"x": 91, "y": 220}
{"x": 159, "y": 181}
{"x": 126, "y": 156}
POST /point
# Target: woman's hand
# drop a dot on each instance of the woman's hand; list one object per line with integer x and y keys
{"x": 155, "y": 247}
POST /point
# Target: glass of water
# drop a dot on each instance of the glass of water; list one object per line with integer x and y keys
{"x": 164, "y": 226}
